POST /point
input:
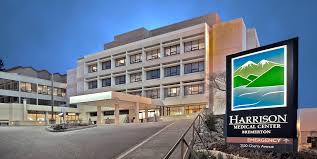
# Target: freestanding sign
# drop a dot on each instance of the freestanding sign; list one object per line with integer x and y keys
{"x": 262, "y": 97}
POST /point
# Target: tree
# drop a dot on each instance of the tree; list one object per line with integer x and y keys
{"x": 217, "y": 87}
{"x": 1, "y": 65}
{"x": 218, "y": 81}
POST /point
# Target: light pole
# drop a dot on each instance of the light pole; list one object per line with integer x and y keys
{"x": 52, "y": 98}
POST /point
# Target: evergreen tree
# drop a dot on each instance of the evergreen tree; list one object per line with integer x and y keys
{"x": 1, "y": 65}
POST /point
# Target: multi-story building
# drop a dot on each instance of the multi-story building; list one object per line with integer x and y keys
{"x": 26, "y": 97}
{"x": 172, "y": 65}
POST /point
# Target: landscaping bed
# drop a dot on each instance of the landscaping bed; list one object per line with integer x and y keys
{"x": 68, "y": 127}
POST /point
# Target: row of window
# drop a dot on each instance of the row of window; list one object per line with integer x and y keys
{"x": 6, "y": 84}
{"x": 175, "y": 91}
{"x": 152, "y": 74}
{"x": 10, "y": 99}
{"x": 150, "y": 55}
{"x": 172, "y": 91}
{"x": 110, "y": 112}
{"x": 42, "y": 89}
{"x": 31, "y": 88}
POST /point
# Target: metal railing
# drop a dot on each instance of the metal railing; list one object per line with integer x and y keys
{"x": 195, "y": 128}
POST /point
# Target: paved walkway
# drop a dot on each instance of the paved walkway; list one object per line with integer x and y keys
{"x": 157, "y": 146}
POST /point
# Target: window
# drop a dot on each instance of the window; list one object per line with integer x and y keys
{"x": 171, "y": 50}
{"x": 93, "y": 113}
{"x": 138, "y": 93}
{"x": 34, "y": 88}
{"x": 172, "y": 71}
{"x": 109, "y": 112}
{"x": 44, "y": 102}
{"x": 120, "y": 62}
{"x": 136, "y": 77}
{"x": 60, "y": 92}
{"x": 106, "y": 65}
{"x": 171, "y": 92}
{"x": 63, "y": 92}
{"x": 9, "y": 99}
{"x": 194, "y": 89}
{"x": 28, "y": 87}
{"x": 194, "y": 67}
{"x": 9, "y": 84}
{"x": 106, "y": 82}
{"x": 29, "y": 100}
{"x": 42, "y": 89}
{"x": 154, "y": 94}
{"x": 59, "y": 103}
{"x": 49, "y": 90}
{"x": 120, "y": 79}
{"x": 153, "y": 54}
{"x": 153, "y": 74}
{"x": 92, "y": 68}
{"x": 92, "y": 84}
{"x": 135, "y": 58}
{"x": 194, "y": 45}
{"x": 55, "y": 91}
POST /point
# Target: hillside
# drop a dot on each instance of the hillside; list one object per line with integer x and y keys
{"x": 273, "y": 77}
{"x": 252, "y": 77}
{"x": 240, "y": 81}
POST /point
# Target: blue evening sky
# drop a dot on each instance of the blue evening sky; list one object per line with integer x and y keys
{"x": 52, "y": 34}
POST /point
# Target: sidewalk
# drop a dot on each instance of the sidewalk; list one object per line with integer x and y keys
{"x": 157, "y": 146}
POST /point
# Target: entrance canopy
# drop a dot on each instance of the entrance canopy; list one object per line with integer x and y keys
{"x": 116, "y": 100}
{"x": 111, "y": 98}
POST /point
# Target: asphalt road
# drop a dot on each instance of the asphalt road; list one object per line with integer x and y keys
{"x": 94, "y": 143}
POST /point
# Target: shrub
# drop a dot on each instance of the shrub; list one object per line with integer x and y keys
{"x": 210, "y": 122}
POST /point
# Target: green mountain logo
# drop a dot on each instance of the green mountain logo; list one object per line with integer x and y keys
{"x": 264, "y": 73}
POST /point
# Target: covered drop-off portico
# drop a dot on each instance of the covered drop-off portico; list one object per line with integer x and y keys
{"x": 116, "y": 101}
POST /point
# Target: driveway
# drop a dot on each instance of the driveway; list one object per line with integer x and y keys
{"x": 100, "y": 142}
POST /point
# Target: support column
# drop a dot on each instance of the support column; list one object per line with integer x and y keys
{"x": 116, "y": 114}
{"x": 46, "y": 118}
{"x": 146, "y": 114}
{"x": 99, "y": 115}
{"x": 25, "y": 112}
{"x": 137, "y": 110}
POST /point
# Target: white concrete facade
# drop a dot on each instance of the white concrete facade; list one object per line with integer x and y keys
{"x": 188, "y": 90}
{"x": 22, "y": 100}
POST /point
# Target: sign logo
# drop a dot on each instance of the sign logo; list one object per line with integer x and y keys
{"x": 259, "y": 79}
{"x": 262, "y": 97}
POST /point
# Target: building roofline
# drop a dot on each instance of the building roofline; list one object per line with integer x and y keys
{"x": 30, "y": 67}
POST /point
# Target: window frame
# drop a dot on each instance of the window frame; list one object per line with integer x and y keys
{"x": 136, "y": 74}
{"x": 152, "y": 95}
{"x": 189, "y": 46}
{"x": 104, "y": 65}
{"x": 200, "y": 89}
{"x": 169, "y": 93}
{"x": 117, "y": 64}
{"x": 168, "y": 71}
{"x": 154, "y": 54}
{"x": 170, "y": 48}
{"x": 92, "y": 84}
{"x": 135, "y": 60}
{"x": 105, "y": 82}
{"x": 150, "y": 75}
{"x": 190, "y": 67}
{"x": 119, "y": 82}
{"x": 91, "y": 68}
